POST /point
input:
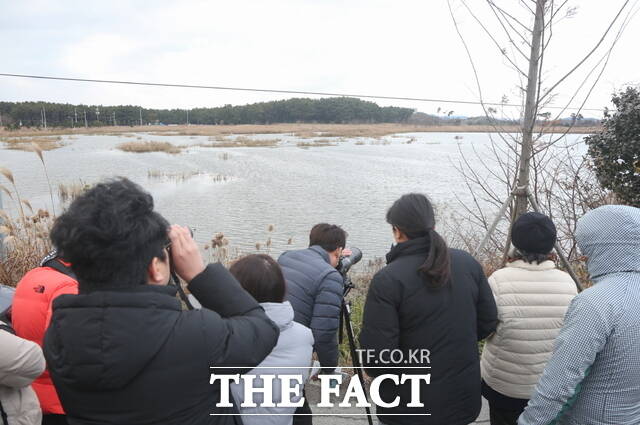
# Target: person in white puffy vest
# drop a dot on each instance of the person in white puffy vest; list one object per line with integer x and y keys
{"x": 21, "y": 362}
{"x": 532, "y": 297}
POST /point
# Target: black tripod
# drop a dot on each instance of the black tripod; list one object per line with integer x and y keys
{"x": 345, "y": 318}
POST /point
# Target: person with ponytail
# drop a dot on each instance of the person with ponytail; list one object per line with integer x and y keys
{"x": 425, "y": 312}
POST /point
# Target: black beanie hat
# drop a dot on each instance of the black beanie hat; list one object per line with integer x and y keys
{"x": 534, "y": 233}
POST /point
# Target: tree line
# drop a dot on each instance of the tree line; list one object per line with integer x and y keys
{"x": 327, "y": 110}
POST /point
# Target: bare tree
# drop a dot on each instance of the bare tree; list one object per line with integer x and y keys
{"x": 527, "y": 167}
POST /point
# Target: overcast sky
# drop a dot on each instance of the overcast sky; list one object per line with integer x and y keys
{"x": 393, "y": 48}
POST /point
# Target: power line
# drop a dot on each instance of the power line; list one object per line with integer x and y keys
{"x": 246, "y": 89}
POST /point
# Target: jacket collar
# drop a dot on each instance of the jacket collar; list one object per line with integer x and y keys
{"x": 158, "y": 295}
{"x": 411, "y": 247}
{"x": 521, "y": 264}
{"x": 321, "y": 251}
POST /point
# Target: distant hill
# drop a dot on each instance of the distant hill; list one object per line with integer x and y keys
{"x": 341, "y": 110}
{"x": 303, "y": 110}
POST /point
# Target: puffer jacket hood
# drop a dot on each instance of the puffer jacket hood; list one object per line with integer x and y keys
{"x": 291, "y": 356}
{"x": 591, "y": 378}
{"x": 280, "y": 313}
{"x": 87, "y": 345}
{"x": 314, "y": 289}
{"x": 610, "y": 238}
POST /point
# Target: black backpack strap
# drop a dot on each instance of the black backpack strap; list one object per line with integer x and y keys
{"x": 54, "y": 262}
{"x": 7, "y": 328}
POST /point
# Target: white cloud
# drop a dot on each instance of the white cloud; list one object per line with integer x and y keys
{"x": 379, "y": 47}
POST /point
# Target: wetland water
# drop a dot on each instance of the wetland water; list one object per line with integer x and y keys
{"x": 242, "y": 191}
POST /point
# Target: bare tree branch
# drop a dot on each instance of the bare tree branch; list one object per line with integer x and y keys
{"x": 588, "y": 55}
{"x": 490, "y": 35}
{"x": 508, "y": 18}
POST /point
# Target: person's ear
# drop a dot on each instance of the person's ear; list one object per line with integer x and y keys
{"x": 157, "y": 272}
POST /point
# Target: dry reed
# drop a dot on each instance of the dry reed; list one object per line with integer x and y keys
{"x": 149, "y": 146}
{"x": 33, "y": 144}
{"x": 301, "y": 130}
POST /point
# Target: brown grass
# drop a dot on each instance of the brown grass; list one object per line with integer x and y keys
{"x": 315, "y": 143}
{"x": 26, "y": 243}
{"x": 27, "y": 143}
{"x": 149, "y": 146}
{"x": 67, "y": 192}
{"x": 184, "y": 176}
{"x": 300, "y": 130}
{"x": 239, "y": 142}
{"x": 26, "y": 238}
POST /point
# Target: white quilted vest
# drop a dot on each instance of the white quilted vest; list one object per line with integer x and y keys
{"x": 532, "y": 300}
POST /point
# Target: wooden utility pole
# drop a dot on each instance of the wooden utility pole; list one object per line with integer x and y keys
{"x": 141, "y": 116}
{"x": 114, "y": 118}
{"x": 530, "y": 111}
{"x": 187, "y": 117}
{"x": 85, "y": 119}
{"x": 44, "y": 117}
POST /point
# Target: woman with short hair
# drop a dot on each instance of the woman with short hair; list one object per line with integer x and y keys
{"x": 435, "y": 303}
{"x": 261, "y": 276}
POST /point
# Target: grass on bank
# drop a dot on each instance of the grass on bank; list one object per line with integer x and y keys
{"x": 297, "y": 129}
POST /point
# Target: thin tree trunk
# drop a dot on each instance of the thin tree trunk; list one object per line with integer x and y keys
{"x": 530, "y": 110}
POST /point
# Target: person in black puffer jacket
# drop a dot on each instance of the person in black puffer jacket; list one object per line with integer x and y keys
{"x": 123, "y": 351}
{"x": 432, "y": 305}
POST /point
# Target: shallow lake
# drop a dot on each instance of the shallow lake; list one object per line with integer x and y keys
{"x": 242, "y": 191}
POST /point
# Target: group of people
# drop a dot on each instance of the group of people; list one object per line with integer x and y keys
{"x": 120, "y": 347}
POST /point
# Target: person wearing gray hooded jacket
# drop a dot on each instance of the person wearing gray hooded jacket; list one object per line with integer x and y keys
{"x": 593, "y": 377}
{"x": 262, "y": 277}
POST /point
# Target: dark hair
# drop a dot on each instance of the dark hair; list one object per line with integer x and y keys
{"x": 529, "y": 257}
{"x": 413, "y": 215}
{"x": 260, "y": 276}
{"x": 329, "y": 236}
{"x": 110, "y": 234}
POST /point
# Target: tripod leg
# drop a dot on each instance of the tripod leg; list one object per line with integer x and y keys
{"x": 346, "y": 313}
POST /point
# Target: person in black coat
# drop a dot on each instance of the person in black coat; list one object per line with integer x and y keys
{"x": 123, "y": 351}
{"x": 424, "y": 314}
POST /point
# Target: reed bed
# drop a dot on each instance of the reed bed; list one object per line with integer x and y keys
{"x": 186, "y": 175}
{"x": 298, "y": 129}
{"x": 315, "y": 143}
{"x": 28, "y": 143}
{"x": 239, "y": 142}
{"x": 149, "y": 146}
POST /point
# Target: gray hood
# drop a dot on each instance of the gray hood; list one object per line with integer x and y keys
{"x": 610, "y": 238}
{"x": 280, "y": 313}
